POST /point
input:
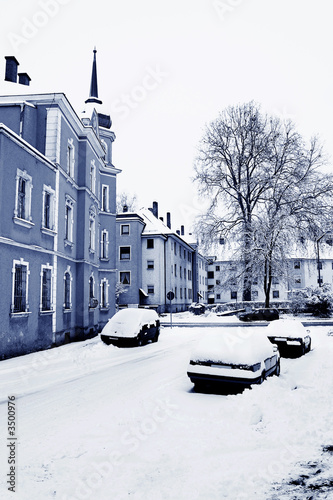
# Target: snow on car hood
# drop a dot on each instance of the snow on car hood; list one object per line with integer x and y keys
{"x": 291, "y": 328}
{"x": 128, "y": 322}
{"x": 237, "y": 345}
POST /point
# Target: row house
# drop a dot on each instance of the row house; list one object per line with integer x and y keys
{"x": 154, "y": 260}
{"x": 58, "y": 217}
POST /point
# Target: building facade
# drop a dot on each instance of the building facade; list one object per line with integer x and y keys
{"x": 58, "y": 218}
{"x": 154, "y": 260}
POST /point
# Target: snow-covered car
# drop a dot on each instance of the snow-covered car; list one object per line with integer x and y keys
{"x": 131, "y": 327}
{"x": 240, "y": 356}
{"x": 290, "y": 336}
{"x": 262, "y": 314}
{"x": 197, "y": 308}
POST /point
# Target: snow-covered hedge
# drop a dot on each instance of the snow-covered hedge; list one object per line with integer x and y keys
{"x": 317, "y": 301}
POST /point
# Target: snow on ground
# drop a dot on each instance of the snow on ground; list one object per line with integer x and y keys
{"x": 100, "y": 422}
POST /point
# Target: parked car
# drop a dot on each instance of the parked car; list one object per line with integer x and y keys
{"x": 262, "y": 314}
{"x": 239, "y": 357}
{"x": 290, "y": 336}
{"x": 131, "y": 327}
{"x": 197, "y": 308}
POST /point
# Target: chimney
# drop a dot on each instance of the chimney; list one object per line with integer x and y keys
{"x": 11, "y": 69}
{"x": 182, "y": 230}
{"x": 155, "y": 209}
{"x": 125, "y": 208}
{"x": 24, "y": 78}
{"x": 168, "y": 220}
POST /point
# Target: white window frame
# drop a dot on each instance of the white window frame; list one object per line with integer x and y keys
{"x": 130, "y": 278}
{"x": 104, "y": 285}
{"x": 27, "y": 221}
{"x": 68, "y": 271}
{"x": 93, "y": 177}
{"x": 130, "y": 252}
{"x": 70, "y": 158}
{"x": 92, "y": 230}
{"x": 44, "y": 267}
{"x": 105, "y": 203}
{"x": 69, "y": 224}
{"x": 51, "y": 192}
{"x": 105, "y": 244}
{"x": 20, "y": 262}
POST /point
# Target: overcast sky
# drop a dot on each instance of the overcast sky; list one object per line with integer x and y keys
{"x": 167, "y": 67}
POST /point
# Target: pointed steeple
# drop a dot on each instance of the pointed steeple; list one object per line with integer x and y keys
{"x": 93, "y": 96}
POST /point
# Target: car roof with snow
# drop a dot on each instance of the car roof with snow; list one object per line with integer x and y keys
{"x": 127, "y": 322}
{"x": 287, "y": 328}
{"x": 238, "y": 345}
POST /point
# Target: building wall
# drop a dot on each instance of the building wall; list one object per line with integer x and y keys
{"x": 52, "y": 130}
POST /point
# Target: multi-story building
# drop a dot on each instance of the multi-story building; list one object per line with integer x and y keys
{"x": 58, "y": 220}
{"x": 154, "y": 260}
{"x": 307, "y": 266}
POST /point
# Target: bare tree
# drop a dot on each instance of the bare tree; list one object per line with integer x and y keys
{"x": 264, "y": 188}
{"x": 126, "y": 200}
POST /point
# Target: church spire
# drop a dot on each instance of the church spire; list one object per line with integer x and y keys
{"x": 93, "y": 96}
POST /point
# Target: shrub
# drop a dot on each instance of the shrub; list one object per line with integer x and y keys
{"x": 320, "y": 301}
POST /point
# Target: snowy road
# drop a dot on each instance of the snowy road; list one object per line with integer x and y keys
{"x": 98, "y": 422}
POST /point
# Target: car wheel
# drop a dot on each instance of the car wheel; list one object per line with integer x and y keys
{"x": 277, "y": 369}
{"x": 262, "y": 377}
{"x": 139, "y": 342}
{"x": 155, "y": 338}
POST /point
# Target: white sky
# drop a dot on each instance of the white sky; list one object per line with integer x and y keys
{"x": 208, "y": 54}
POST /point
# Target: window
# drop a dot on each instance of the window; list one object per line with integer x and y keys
{"x": 104, "y": 294}
{"x": 150, "y": 289}
{"x": 181, "y": 293}
{"x": 189, "y": 274}
{"x": 320, "y": 281}
{"x": 150, "y": 243}
{"x": 125, "y": 253}
{"x": 105, "y": 244}
{"x": 21, "y": 198}
{"x": 190, "y": 293}
{"x": 124, "y": 229}
{"x": 297, "y": 264}
{"x": 254, "y": 294}
{"x": 92, "y": 229}
{"x": 221, "y": 240}
{"x": 69, "y": 219}
{"x": 218, "y": 282}
{"x": 218, "y": 296}
{"x": 297, "y": 280}
{"x": 150, "y": 264}
{"x": 185, "y": 293}
{"x": 233, "y": 295}
{"x": 93, "y": 177}
{"x": 175, "y": 248}
{"x": 70, "y": 158}
{"x": 125, "y": 277}
{"x": 91, "y": 287}
{"x": 67, "y": 290}
{"x": 175, "y": 269}
{"x": 255, "y": 280}
{"x": 20, "y": 272}
{"x": 275, "y": 280}
{"x": 184, "y": 253}
{"x": 175, "y": 292}
{"x": 180, "y": 272}
{"x": 276, "y": 294}
{"x": 24, "y": 186}
{"x": 319, "y": 265}
{"x": 217, "y": 268}
{"x": 46, "y": 288}
{"x": 48, "y": 208}
{"x": 105, "y": 198}
{"x": 210, "y": 275}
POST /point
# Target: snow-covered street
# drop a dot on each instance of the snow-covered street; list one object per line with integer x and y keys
{"x": 100, "y": 422}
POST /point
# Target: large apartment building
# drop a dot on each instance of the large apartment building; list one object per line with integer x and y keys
{"x": 58, "y": 216}
{"x": 153, "y": 260}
